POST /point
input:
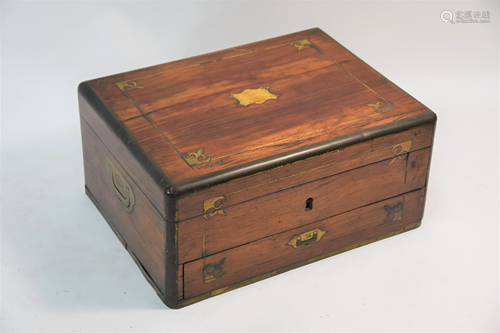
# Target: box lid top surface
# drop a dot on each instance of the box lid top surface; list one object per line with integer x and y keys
{"x": 224, "y": 115}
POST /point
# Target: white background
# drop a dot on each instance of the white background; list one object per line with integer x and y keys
{"x": 64, "y": 270}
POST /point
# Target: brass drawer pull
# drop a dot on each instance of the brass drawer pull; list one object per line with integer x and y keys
{"x": 306, "y": 238}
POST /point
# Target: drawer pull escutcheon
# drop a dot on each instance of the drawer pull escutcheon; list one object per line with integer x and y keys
{"x": 310, "y": 237}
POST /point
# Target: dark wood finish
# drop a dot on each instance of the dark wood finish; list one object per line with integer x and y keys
{"x": 143, "y": 229}
{"x": 241, "y": 160}
{"x": 273, "y": 252}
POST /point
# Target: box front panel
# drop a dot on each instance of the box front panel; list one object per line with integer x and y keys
{"x": 230, "y": 215}
{"x": 344, "y": 231}
{"x": 283, "y": 228}
{"x": 300, "y": 205}
{"x": 307, "y": 170}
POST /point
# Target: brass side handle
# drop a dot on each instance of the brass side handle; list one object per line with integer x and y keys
{"x": 121, "y": 187}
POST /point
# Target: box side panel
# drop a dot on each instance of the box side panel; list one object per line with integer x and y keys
{"x": 343, "y": 231}
{"x": 125, "y": 206}
{"x": 129, "y": 154}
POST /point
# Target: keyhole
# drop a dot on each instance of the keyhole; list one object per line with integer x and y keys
{"x": 309, "y": 204}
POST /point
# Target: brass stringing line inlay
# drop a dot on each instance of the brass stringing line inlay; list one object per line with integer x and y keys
{"x": 151, "y": 122}
{"x": 202, "y": 64}
{"x": 294, "y": 137}
{"x": 310, "y": 260}
{"x": 345, "y": 69}
{"x": 313, "y": 169}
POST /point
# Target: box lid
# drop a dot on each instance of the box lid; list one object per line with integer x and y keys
{"x": 217, "y": 117}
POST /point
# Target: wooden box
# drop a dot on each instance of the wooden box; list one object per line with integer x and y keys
{"x": 227, "y": 168}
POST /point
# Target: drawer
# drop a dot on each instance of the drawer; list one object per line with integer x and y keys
{"x": 321, "y": 238}
{"x": 224, "y": 228}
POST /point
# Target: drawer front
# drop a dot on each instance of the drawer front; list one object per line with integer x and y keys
{"x": 339, "y": 233}
{"x": 224, "y": 228}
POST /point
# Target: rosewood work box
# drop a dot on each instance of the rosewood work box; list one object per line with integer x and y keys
{"x": 227, "y": 168}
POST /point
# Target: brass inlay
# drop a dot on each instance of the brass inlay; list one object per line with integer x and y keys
{"x": 213, "y": 271}
{"x": 254, "y": 96}
{"x": 121, "y": 187}
{"x": 196, "y": 158}
{"x": 306, "y": 238}
{"x": 400, "y": 149}
{"x": 213, "y": 207}
{"x": 301, "y": 44}
{"x": 382, "y": 107}
{"x": 128, "y": 84}
{"x": 394, "y": 213}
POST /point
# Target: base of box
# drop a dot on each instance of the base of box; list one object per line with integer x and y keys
{"x": 182, "y": 303}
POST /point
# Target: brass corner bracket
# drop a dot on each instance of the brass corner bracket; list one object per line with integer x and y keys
{"x": 196, "y": 158}
{"x": 301, "y": 44}
{"x": 128, "y": 84}
{"x": 382, "y": 107}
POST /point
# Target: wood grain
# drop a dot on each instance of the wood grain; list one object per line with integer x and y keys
{"x": 273, "y": 252}
{"x": 180, "y": 282}
{"x": 323, "y": 138}
{"x": 418, "y": 164}
{"x": 152, "y": 191}
{"x": 229, "y": 74}
{"x": 284, "y": 209}
{"x": 143, "y": 228}
{"x": 186, "y": 106}
{"x": 311, "y": 169}
{"x": 112, "y": 96}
